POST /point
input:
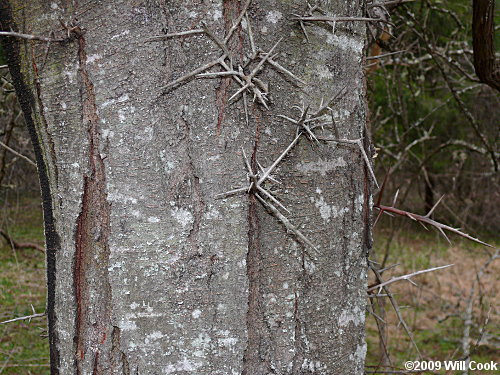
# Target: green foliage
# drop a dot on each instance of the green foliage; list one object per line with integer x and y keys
{"x": 435, "y": 126}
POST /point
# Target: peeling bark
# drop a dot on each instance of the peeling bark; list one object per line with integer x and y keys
{"x": 91, "y": 279}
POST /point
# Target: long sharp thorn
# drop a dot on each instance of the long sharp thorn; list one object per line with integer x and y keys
{"x": 444, "y": 235}
{"x": 413, "y": 282}
{"x": 395, "y": 198}
{"x": 238, "y": 21}
{"x": 422, "y": 224}
{"x": 250, "y": 34}
{"x": 231, "y": 192}
{"x": 288, "y": 225}
{"x": 247, "y": 163}
{"x": 245, "y": 106}
{"x": 239, "y": 91}
{"x": 190, "y": 75}
{"x": 377, "y": 218}
{"x": 277, "y": 161}
{"x": 411, "y": 216}
{"x": 267, "y": 194}
{"x": 264, "y": 59}
{"x": 367, "y": 161}
{"x": 381, "y": 192}
{"x": 434, "y": 207}
{"x": 304, "y": 30}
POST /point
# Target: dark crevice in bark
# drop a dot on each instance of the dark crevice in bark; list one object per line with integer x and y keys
{"x": 11, "y": 47}
{"x": 298, "y": 357}
{"x": 256, "y": 359}
{"x": 91, "y": 279}
{"x": 221, "y": 100}
{"x": 119, "y": 360}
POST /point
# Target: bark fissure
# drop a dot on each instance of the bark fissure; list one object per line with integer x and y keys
{"x": 91, "y": 279}
{"x": 119, "y": 360}
{"x": 256, "y": 359}
{"x": 298, "y": 357}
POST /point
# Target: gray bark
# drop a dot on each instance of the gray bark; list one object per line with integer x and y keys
{"x": 148, "y": 272}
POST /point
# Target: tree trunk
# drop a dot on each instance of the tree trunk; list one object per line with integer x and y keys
{"x": 149, "y": 271}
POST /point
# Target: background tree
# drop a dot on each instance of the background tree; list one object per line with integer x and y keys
{"x": 148, "y": 271}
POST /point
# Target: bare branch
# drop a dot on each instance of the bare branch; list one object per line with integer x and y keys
{"x": 18, "y": 154}
{"x": 406, "y": 277}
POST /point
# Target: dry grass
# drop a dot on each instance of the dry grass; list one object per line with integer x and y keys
{"x": 435, "y": 310}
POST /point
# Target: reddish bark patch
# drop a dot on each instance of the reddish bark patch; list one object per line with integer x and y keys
{"x": 91, "y": 280}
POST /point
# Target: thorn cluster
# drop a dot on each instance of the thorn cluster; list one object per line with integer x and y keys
{"x": 316, "y": 14}
{"x": 307, "y": 123}
{"x": 256, "y": 180}
{"x": 248, "y": 83}
{"x": 422, "y": 219}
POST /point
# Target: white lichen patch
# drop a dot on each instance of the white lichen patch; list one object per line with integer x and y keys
{"x": 355, "y": 315}
{"x": 201, "y": 344}
{"x": 323, "y": 72}
{"x": 182, "y": 216}
{"x": 311, "y": 365}
{"x": 121, "y": 99}
{"x": 119, "y": 197}
{"x": 168, "y": 161}
{"x": 154, "y": 336}
{"x": 217, "y": 15}
{"x": 228, "y": 343}
{"x": 196, "y": 313}
{"x": 346, "y": 42}
{"x": 274, "y": 16}
{"x": 327, "y": 211}
{"x": 153, "y": 219}
{"x": 134, "y": 305}
{"x": 359, "y": 355}
{"x": 321, "y": 166}
{"x": 212, "y": 213}
{"x": 123, "y": 33}
{"x": 127, "y": 324}
{"x": 359, "y": 202}
{"x": 181, "y": 366}
{"x": 93, "y": 58}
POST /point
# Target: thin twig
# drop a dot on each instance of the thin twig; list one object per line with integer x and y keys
{"x": 30, "y": 37}
{"x": 18, "y": 154}
{"x": 28, "y": 317}
{"x": 173, "y": 35}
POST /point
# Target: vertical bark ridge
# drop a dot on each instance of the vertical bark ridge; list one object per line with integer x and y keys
{"x": 256, "y": 357}
{"x": 91, "y": 279}
{"x": 28, "y": 103}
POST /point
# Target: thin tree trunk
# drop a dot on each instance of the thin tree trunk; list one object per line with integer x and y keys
{"x": 149, "y": 272}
